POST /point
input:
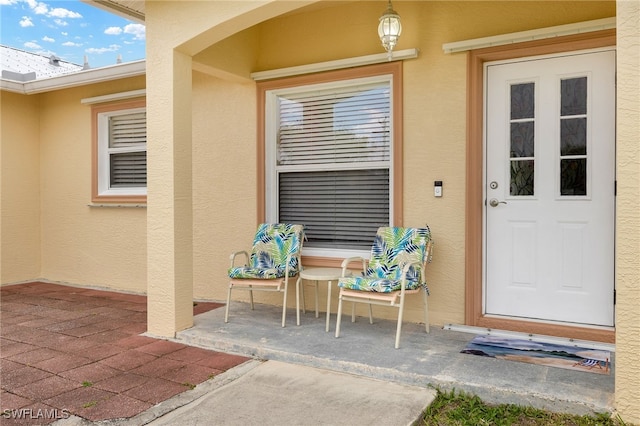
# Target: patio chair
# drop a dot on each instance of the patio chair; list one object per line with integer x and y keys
{"x": 396, "y": 269}
{"x": 275, "y": 257}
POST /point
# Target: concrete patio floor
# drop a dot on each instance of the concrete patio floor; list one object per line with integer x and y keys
{"x": 423, "y": 360}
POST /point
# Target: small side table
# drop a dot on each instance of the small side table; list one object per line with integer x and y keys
{"x": 318, "y": 274}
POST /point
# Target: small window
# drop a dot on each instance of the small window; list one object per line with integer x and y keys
{"x": 120, "y": 152}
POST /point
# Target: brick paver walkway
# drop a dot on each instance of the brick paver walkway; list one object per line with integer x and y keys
{"x": 67, "y": 350}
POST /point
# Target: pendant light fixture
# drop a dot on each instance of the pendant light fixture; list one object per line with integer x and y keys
{"x": 389, "y": 29}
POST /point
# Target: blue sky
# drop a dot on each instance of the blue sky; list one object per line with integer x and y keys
{"x": 70, "y": 30}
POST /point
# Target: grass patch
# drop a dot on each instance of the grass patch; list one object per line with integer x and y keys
{"x": 89, "y": 404}
{"x": 87, "y": 384}
{"x": 189, "y": 385}
{"x": 461, "y": 409}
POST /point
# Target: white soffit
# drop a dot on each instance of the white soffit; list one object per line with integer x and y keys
{"x": 537, "y": 34}
{"x": 335, "y": 65}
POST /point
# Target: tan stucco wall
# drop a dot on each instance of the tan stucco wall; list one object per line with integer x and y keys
{"x": 84, "y": 245}
{"x": 627, "y": 392}
{"x": 225, "y": 187}
{"x": 20, "y": 191}
{"x": 434, "y": 123}
{"x": 49, "y": 231}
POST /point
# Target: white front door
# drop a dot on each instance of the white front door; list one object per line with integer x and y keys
{"x": 550, "y": 188}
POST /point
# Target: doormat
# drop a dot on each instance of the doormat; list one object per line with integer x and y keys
{"x": 549, "y": 354}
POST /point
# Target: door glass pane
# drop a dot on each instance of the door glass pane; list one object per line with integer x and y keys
{"x": 522, "y": 140}
{"x": 574, "y": 96}
{"x": 573, "y": 136}
{"x": 522, "y": 101}
{"x": 522, "y": 174}
{"x": 573, "y": 176}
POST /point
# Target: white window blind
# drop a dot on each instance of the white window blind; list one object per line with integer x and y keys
{"x": 127, "y": 150}
{"x": 351, "y": 125}
{"x": 340, "y": 209}
{"x": 333, "y": 162}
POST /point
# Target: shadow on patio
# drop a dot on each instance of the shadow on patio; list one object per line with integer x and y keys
{"x": 422, "y": 360}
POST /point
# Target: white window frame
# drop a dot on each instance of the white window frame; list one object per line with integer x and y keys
{"x": 104, "y": 152}
{"x": 271, "y": 172}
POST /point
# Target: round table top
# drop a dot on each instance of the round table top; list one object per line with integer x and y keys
{"x": 322, "y": 274}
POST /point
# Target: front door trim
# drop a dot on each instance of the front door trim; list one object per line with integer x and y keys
{"x": 474, "y": 193}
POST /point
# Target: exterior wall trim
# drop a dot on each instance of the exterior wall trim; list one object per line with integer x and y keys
{"x": 537, "y": 34}
{"x": 114, "y": 97}
{"x": 335, "y": 65}
{"x": 473, "y": 210}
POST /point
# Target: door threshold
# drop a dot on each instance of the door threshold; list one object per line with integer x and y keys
{"x": 531, "y": 337}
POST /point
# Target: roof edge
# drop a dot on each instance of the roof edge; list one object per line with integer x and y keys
{"x": 80, "y": 78}
{"x": 116, "y": 8}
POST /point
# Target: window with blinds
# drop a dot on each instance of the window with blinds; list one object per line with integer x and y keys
{"x": 331, "y": 162}
{"x": 128, "y": 150}
{"x": 120, "y": 172}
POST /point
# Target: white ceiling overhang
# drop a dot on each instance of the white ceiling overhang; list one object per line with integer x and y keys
{"x": 130, "y": 9}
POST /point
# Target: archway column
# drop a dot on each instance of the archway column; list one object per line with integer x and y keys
{"x": 169, "y": 199}
{"x": 627, "y": 368}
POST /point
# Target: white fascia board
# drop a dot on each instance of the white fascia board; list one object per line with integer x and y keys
{"x": 537, "y": 34}
{"x": 80, "y": 78}
{"x": 12, "y": 86}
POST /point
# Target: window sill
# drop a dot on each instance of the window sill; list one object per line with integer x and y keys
{"x": 116, "y": 205}
{"x": 327, "y": 262}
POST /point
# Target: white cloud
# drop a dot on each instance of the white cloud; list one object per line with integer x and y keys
{"x": 59, "y": 12}
{"x": 37, "y": 7}
{"x": 40, "y": 8}
{"x": 26, "y": 22}
{"x": 113, "y": 31}
{"x": 8, "y": 2}
{"x": 137, "y": 30}
{"x": 111, "y": 48}
{"x": 48, "y": 39}
{"x": 71, "y": 44}
{"x": 60, "y": 22}
{"x": 32, "y": 45}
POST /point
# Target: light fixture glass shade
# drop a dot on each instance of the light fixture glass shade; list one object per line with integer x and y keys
{"x": 389, "y": 29}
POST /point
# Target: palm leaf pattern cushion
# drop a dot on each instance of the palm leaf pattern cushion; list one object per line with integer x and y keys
{"x": 273, "y": 243}
{"x": 393, "y": 248}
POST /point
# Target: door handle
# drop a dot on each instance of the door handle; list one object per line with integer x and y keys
{"x": 494, "y": 202}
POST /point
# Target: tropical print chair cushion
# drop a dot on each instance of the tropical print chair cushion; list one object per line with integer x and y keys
{"x": 392, "y": 249}
{"x": 272, "y": 245}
